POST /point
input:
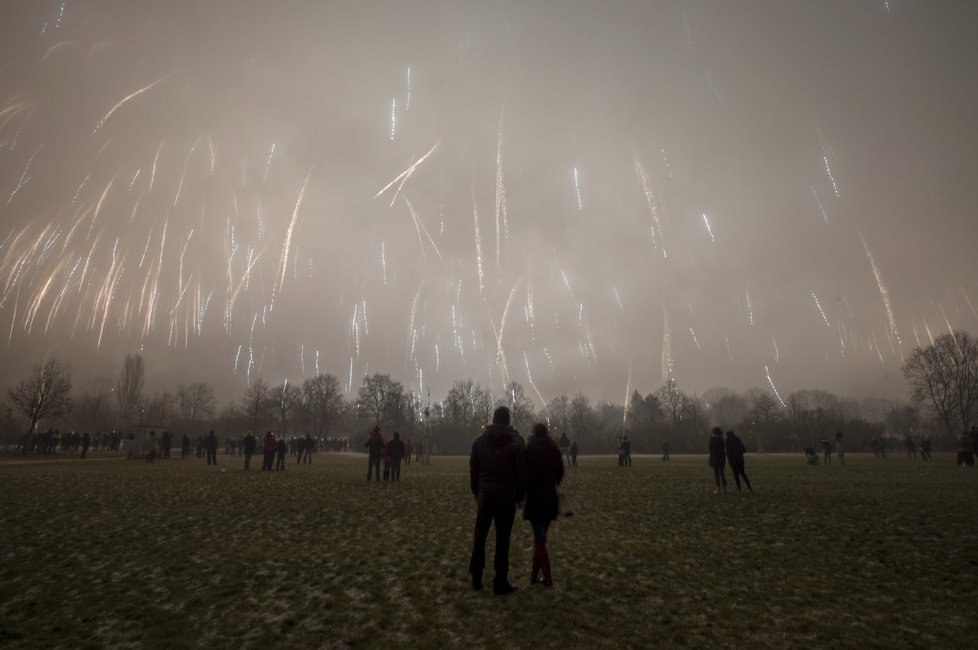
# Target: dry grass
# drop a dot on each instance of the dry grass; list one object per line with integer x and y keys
{"x": 109, "y": 553}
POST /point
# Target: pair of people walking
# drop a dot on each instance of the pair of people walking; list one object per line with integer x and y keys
{"x": 506, "y": 474}
{"x": 722, "y": 451}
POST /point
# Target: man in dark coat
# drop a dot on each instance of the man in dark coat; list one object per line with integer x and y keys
{"x": 718, "y": 459}
{"x": 211, "y": 444}
{"x": 735, "y": 456}
{"x": 269, "y": 444}
{"x": 496, "y": 477}
{"x": 248, "y": 444}
{"x": 544, "y": 471}
{"x": 375, "y": 449}
{"x": 395, "y": 454}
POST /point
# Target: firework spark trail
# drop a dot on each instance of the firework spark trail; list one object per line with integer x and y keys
{"x": 884, "y": 292}
{"x": 826, "y": 150}
{"x": 24, "y": 178}
{"x": 393, "y": 118}
{"x": 186, "y": 166}
{"x": 577, "y": 189}
{"x": 125, "y": 99}
{"x": 967, "y": 299}
{"x": 818, "y": 202}
{"x": 529, "y": 378}
{"x": 820, "y": 310}
{"x": 777, "y": 351}
{"x": 383, "y": 262}
{"x": 628, "y": 394}
{"x": 413, "y": 319}
{"x": 726, "y": 342}
{"x": 406, "y": 174}
{"x": 656, "y": 228}
{"x": 268, "y": 161}
{"x": 287, "y": 244}
{"x": 500, "y": 197}
{"x": 750, "y": 309}
{"x": 667, "y": 365}
{"x": 420, "y": 227}
{"x": 708, "y": 228}
{"x": 770, "y": 381}
{"x": 695, "y": 341}
{"x": 618, "y": 298}
{"x": 478, "y": 244}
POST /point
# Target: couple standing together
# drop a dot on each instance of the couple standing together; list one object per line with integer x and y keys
{"x": 506, "y": 474}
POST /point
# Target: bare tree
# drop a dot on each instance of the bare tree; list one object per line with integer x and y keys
{"x": 519, "y": 405}
{"x": 944, "y": 379}
{"x": 45, "y": 393}
{"x": 129, "y": 387}
{"x": 158, "y": 408}
{"x": 285, "y": 399}
{"x": 323, "y": 402}
{"x": 464, "y": 401}
{"x": 671, "y": 399}
{"x": 377, "y": 395}
{"x": 255, "y": 404}
{"x": 558, "y": 412}
{"x": 195, "y": 401}
{"x": 581, "y": 415}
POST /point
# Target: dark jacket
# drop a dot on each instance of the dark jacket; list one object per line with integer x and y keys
{"x": 718, "y": 456}
{"x": 496, "y": 462}
{"x": 735, "y": 450}
{"x": 211, "y": 442}
{"x": 544, "y": 470}
{"x": 395, "y": 450}
{"x": 375, "y": 446}
{"x": 248, "y": 444}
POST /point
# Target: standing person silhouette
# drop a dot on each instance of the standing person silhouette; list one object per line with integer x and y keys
{"x": 375, "y": 449}
{"x": 735, "y": 456}
{"x": 544, "y": 471}
{"x": 718, "y": 459}
{"x": 496, "y": 477}
{"x": 564, "y": 443}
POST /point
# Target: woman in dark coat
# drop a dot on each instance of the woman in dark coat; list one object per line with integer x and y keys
{"x": 544, "y": 470}
{"x": 718, "y": 459}
{"x": 735, "y": 455}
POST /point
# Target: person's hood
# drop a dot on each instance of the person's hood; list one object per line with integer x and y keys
{"x": 498, "y": 435}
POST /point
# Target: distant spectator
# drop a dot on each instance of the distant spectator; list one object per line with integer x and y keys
{"x": 627, "y": 446}
{"x": 281, "y": 449}
{"x": 395, "y": 454}
{"x": 375, "y": 449}
{"x": 308, "y": 446}
{"x": 910, "y": 446}
{"x": 665, "y": 451}
{"x": 211, "y": 445}
{"x": 152, "y": 447}
{"x": 300, "y": 448}
{"x": 408, "y": 452}
{"x": 883, "y": 444}
{"x": 564, "y": 443}
{"x": 875, "y": 446}
{"x": 248, "y": 444}
{"x": 85, "y": 442}
{"x": 166, "y": 442}
{"x": 965, "y": 451}
{"x": 573, "y": 454}
{"x": 735, "y": 456}
{"x": 840, "y": 449}
{"x": 718, "y": 460}
{"x": 826, "y": 451}
{"x": 925, "y": 449}
{"x": 269, "y": 445}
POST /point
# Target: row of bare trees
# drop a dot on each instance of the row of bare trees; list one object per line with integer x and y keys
{"x": 943, "y": 380}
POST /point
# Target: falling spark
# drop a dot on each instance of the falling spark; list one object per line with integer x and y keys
{"x": 818, "y": 202}
{"x": 726, "y": 341}
{"x": 478, "y": 244}
{"x": 706, "y": 220}
{"x": 407, "y": 105}
{"x": 268, "y": 161}
{"x": 288, "y": 237}
{"x": 667, "y": 366}
{"x": 650, "y": 198}
{"x": 750, "y": 310}
{"x": 820, "y": 310}
{"x": 125, "y": 99}
{"x": 406, "y": 174}
{"x": 618, "y": 298}
{"x": 884, "y": 292}
{"x": 393, "y": 118}
{"x": 577, "y": 188}
{"x": 777, "y": 351}
{"x": 773, "y": 387}
{"x": 695, "y": 341}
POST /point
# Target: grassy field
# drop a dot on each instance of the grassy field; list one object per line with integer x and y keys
{"x": 110, "y": 553}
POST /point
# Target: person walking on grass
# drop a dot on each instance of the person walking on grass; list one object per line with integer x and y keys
{"x": 496, "y": 477}
{"x": 152, "y": 447}
{"x": 268, "y": 446}
{"x": 375, "y": 449}
{"x": 718, "y": 460}
{"x": 564, "y": 443}
{"x": 735, "y": 456}
{"x": 308, "y": 446}
{"x": 248, "y": 444}
{"x": 573, "y": 454}
{"x": 544, "y": 471}
{"x": 395, "y": 454}
{"x": 281, "y": 450}
{"x": 211, "y": 444}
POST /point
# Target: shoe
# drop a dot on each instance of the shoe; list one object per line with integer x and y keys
{"x": 503, "y": 589}
{"x": 477, "y": 581}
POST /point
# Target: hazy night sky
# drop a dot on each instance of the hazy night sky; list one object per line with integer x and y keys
{"x": 831, "y": 146}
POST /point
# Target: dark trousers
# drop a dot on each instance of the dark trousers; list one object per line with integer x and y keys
{"x": 280, "y": 462}
{"x": 720, "y": 476}
{"x": 247, "y": 459}
{"x": 498, "y": 509}
{"x": 269, "y": 461}
{"x": 373, "y": 462}
{"x": 574, "y": 460}
{"x": 396, "y": 470}
{"x": 211, "y": 457}
{"x": 738, "y": 472}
